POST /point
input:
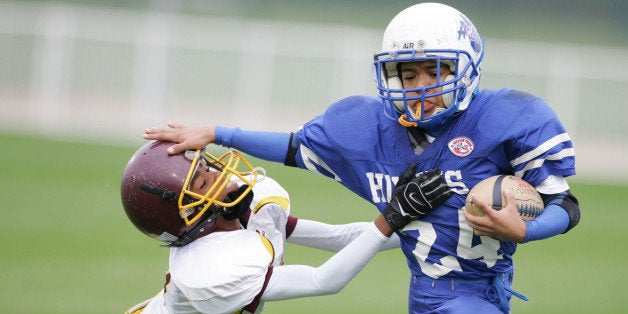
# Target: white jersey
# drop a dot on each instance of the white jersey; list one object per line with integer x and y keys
{"x": 230, "y": 272}
{"x": 223, "y": 272}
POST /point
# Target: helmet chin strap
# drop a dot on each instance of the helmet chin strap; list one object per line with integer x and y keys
{"x": 239, "y": 209}
{"x": 204, "y": 227}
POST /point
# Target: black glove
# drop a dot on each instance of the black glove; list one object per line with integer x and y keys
{"x": 239, "y": 209}
{"x": 413, "y": 198}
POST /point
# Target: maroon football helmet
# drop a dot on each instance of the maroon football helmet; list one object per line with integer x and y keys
{"x": 156, "y": 193}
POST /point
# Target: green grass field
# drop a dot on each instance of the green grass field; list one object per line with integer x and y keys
{"x": 69, "y": 247}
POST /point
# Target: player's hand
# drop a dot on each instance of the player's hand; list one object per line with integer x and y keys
{"x": 186, "y": 138}
{"x": 505, "y": 224}
{"x": 414, "y": 198}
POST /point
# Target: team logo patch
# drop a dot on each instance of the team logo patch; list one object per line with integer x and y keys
{"x": 461, "y": 146}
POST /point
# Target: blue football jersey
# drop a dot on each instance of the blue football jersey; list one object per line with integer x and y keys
{"x": 501, "y": 132}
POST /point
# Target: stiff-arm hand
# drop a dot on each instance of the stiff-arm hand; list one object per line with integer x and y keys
{"x": 186, "y": 138}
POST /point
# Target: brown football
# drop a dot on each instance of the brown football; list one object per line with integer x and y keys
{"x": 529, "y": 202}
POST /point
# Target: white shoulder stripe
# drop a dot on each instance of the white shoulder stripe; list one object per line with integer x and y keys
{"x": 310, "y": 160}
{"x": 567, "y": 152}
{"x": 563, "y": 137}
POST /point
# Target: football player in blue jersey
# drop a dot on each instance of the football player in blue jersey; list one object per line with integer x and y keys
{"x": 431, "y": 111}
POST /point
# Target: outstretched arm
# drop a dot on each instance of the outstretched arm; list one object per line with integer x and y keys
{"x": 271, "y": 146}
{"x": 294, "y": 281}
{"x": 418, "y": 196}
{"x": 330, "y": 237}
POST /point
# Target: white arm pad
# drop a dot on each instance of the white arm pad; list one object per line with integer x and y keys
{"x": 294, "y": 281}
{"x": 332, "y": 237}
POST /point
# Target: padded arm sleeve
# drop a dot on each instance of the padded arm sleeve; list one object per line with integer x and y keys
{"x": 333, "y": 238}
{"x": 270, "y": 146}
{"x": 294, "y": 281}
{"x": 561, "y": 213}
{"x": 553, "y": 221}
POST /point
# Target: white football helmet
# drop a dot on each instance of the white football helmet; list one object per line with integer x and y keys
{"x": 434, "y": 32}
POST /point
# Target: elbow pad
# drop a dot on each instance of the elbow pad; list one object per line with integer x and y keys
{"x": 568, "y": 202}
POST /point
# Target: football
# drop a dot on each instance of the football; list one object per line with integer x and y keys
{"x": 529, "y": 202}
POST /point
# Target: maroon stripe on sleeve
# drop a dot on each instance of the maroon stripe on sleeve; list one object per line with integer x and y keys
{"x": 252, "y": 307}
{"x": 290, "y": 225}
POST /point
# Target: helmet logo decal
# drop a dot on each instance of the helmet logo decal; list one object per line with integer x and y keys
{"x": 461, "y": 146}
{"x": 468, "y": 31}
{"x": 407, "y": 45}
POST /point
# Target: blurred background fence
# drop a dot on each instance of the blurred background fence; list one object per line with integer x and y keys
{"x": 94, "y": 73}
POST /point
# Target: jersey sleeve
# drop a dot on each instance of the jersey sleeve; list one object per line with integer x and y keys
{"x": 535, "y": 141}
{"x": 269, "y": 214}
{"x": 317, "y": 146}
{"x": 270, "y": 221}
{"x": 351, "y": 130}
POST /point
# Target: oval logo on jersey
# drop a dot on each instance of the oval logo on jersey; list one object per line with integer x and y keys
{"x": 461, "y": 146}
